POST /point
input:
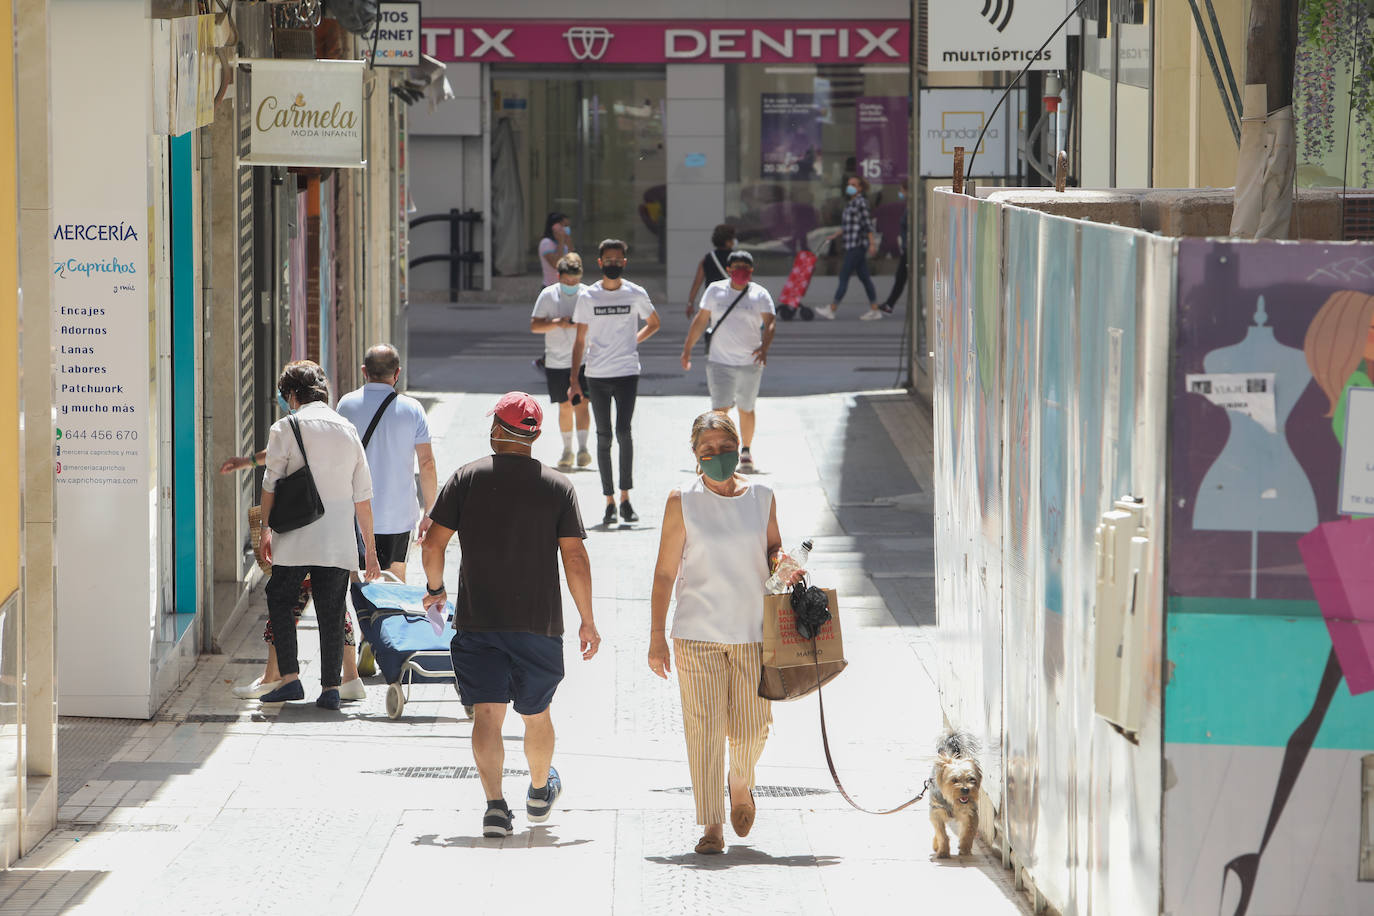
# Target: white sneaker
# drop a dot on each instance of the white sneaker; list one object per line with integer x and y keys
{"x": 871, "y": 315}
{"x": 566, "y": 461}
{"x": 255, "y": 688}
{"x": 827, "y": 312}
{"x": 584, "y": 458}
{"x": 353, "y": 690}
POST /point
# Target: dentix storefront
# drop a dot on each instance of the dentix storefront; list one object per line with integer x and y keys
{"x": 649, "y": 127}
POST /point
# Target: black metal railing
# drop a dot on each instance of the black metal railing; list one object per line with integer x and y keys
{"x": 461, "y": 256}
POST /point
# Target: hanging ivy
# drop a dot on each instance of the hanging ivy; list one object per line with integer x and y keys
{"x": 1335, "y": 34}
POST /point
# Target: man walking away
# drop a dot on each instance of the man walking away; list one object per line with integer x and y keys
{"x": 513, "y": 516}
{"x": 395, "y": 435}
{"x": 608, "y": 338}
{"x": 745, "y": 320}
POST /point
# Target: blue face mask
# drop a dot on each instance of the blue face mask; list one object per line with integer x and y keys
{"x": 281, "y": 402}
{"x": 720, "y": 468}
{"x": 901, "y": 195}
{"x": 850, "y": 190}
{"x": 569, "y": 290}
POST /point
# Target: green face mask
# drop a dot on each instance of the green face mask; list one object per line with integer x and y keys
{"x": 720, "y": 468}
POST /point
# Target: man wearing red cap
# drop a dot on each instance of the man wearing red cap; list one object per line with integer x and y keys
{"x": 513, "y": 517}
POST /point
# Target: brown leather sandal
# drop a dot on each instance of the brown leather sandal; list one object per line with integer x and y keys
{"x": 742, "y": 817}
{"x": 709, "y": 846}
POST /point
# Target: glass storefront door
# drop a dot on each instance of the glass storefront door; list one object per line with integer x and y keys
{"x": 589, "y": 145}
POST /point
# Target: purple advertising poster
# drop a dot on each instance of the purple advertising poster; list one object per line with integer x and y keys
{"x": 790, "y": 136}
{"x": 881, "y": 137}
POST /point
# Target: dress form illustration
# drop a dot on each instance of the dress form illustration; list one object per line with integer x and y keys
{"x": 1256, "y": 484}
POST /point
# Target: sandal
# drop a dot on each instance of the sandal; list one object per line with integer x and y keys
{"x": 710, "y": 846}
{"x": 742, "y": 816}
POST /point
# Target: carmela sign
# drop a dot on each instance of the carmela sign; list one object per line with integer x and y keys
{"x": 306, "y": 113}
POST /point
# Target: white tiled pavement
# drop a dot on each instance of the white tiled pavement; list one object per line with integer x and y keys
{"x": 220, "y": 806}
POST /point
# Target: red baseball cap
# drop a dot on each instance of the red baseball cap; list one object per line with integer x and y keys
{"x": 518, "y": 411}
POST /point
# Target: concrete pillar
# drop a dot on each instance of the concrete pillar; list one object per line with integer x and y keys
{"x": 695, "y": 141}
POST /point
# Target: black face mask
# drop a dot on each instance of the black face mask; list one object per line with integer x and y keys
{"x": 612, "y": 271}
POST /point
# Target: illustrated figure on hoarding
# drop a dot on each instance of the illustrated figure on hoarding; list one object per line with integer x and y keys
{"x": 1339, "y": 346}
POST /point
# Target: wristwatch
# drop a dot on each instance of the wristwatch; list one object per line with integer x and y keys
{"x": 434, "y": 592}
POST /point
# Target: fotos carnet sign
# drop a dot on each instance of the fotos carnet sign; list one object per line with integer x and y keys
{"x": 306, "y": 113}
{"x": 995, "y": 34}
{"x": 955, "y": 117}
{"x": 396, "y": 39}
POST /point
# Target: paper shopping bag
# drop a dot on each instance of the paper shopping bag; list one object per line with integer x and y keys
{"x": 791, "y": 664}
{"x": 1339, "y": 557}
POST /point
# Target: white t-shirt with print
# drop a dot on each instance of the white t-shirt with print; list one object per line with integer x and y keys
{"x": 612, "y": 318}
{"x": 737, "y": 337}
{"x": 558, "y": 342}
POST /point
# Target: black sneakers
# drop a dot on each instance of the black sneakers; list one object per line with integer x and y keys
{"x": 498, "y": 821}
{"x": 627, "y": 512}
{"x": 609, "y": 517}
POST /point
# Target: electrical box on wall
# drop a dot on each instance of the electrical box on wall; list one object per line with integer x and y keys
{"x": 1119, "y": 619}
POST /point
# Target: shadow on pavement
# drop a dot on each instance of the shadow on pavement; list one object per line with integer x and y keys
{"x": 741, "y": 856}
{"x": 536, "y": 838}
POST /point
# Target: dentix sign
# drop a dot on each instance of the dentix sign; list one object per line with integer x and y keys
{"x": 995, "y": 34}
{"x": 306, "y": 113}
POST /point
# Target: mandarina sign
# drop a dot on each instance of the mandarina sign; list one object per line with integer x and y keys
{"x": 530, "y": 41}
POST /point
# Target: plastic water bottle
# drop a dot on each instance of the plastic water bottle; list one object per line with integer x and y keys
{"x": 790, "y": 562}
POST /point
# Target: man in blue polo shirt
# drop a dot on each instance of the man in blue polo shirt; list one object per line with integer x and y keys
{"x": 395, "y": 436}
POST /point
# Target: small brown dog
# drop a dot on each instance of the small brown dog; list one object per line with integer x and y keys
{"x": 954, "y": 791}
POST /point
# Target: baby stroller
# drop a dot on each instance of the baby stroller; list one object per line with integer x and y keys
{"x": 392, "y": 620}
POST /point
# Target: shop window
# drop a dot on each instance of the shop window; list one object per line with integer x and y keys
{"x": 795, "y": 134}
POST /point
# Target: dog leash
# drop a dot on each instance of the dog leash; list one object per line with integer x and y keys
{"x": 830, "y": 762}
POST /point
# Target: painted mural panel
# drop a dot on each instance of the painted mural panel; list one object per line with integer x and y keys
{"x": 1271, "y": 595}
{"x": 967, "y": 404}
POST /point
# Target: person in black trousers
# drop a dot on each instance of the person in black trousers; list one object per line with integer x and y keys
{"x": 899, "y": 281}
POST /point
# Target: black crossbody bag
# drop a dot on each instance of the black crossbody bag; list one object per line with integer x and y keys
{"x": 297, "y": 502}
{"x": 710, "y": 332}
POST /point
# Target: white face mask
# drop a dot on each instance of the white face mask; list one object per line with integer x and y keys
{"x": 495, "y": 438}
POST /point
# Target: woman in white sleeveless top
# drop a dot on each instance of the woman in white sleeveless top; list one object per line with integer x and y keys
{"x": 720, "y": 538}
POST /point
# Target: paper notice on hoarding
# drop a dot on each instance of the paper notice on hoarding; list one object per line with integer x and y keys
{"x": 1357, "y": 454}
{"x": 1250, "y": 394}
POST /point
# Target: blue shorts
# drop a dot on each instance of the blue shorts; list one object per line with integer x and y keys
{"x": 502, "y": 667}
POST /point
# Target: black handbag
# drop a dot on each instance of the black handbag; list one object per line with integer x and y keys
{"x": 297, "y": 502}
{"x": 710, "y": 332}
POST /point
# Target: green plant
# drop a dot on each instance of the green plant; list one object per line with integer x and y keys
{"x": 1335, "y": 36}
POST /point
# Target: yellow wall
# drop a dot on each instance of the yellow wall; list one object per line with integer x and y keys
{"x": 9, "y": 320}
{"x": 1193, "y": 143}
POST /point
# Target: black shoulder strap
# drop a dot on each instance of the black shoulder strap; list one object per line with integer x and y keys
{"x": 732, "y": 306}
{"x": 295, "y": 428}
{"x": 377, "y": 418}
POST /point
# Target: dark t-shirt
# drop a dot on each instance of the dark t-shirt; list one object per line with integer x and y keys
{"x": 709, "y": 272}
{"x": 509, "y": 512}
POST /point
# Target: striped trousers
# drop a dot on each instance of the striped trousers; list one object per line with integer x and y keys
{"x": 720, "y": 699}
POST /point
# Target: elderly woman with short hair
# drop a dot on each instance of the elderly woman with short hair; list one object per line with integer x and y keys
{"x": 326, "y": 549}
{"x": 720, "y": 535}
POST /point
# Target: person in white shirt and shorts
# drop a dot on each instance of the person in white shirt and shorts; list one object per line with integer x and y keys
{"x": 743, "y": 320}
{"x": 553, "y": 317}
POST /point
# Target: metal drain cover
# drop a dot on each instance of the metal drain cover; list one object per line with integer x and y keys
{"x": 763, "y": 791}
{"x": 439, "y": 772}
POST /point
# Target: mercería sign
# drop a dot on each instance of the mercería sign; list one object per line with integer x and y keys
{"x": 529, "y": 41}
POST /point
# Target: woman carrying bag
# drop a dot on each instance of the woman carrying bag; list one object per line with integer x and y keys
{"x": 720, "y": 537}
{"x": 316, "y": 482}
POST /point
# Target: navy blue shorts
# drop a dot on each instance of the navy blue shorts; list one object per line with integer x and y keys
{"x": 502, "y": 667}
